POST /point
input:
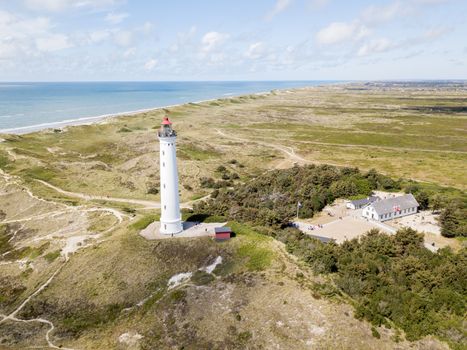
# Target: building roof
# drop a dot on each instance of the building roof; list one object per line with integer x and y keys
{"x": 386, "y": 206}
{"x": 364, "y": 201}
{"x": 223, "y": 229}
{"x": 166, "y": 121}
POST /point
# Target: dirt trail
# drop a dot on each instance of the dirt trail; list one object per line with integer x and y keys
{"x": 89, "y": 197}
{"x": 147, "y": 204}
{"x": 71, "y": 249}
{"x": 12, "y": 316}
{"x": 289, "y": 151}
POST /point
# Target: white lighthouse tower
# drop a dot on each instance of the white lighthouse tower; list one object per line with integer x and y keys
{"x": 171, "y": 221}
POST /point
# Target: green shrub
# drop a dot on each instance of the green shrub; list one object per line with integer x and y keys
{"x": 39, "y": 173}
{"x": 3, "y": 161}
{"x": 50, "y": 257}
{"x": 177, "y": 295}
{"x": 144, "y": 222}
{"x": 201, "y": 278}
{"x": 375, "y": 333}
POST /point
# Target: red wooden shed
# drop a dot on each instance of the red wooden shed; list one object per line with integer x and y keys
{"x": 223, "y": 233}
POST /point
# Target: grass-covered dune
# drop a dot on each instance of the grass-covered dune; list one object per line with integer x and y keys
{"x": 399, "y": 131}
{"x": 91, "y": 188}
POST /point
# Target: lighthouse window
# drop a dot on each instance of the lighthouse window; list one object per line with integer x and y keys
{"x": 165, "y": 207}
{"x": 163, "y": 163}
{"x": 164, "y": 185}
{"x": 163, "y": 153}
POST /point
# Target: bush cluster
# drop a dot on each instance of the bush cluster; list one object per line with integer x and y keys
{"x": 272, "y": 198}
{"x": 394, "y": 278}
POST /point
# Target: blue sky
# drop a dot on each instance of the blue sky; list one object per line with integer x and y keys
{"x": 62, "y": 40}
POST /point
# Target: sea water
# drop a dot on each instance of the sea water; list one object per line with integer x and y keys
{"x": 26, "y": 107}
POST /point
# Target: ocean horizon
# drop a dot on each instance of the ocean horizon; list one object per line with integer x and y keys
{"x": 32, "y": 106}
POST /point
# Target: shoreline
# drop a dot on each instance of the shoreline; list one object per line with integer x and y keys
{"x": 22, "y": 130}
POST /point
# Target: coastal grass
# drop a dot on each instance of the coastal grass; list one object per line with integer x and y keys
{"x": 253, "y": 247}
{"x": 403, "y": 133}
{"x": 144, "y": 221}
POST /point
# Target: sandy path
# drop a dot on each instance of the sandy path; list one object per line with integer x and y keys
{"x": 70, "y": 247}
{"x": 147, "y": 204}
{"x": 410, "y": 149}
{"x": 12, "y": 316}
{"x": 89, "y": 197}
{"x": 289, "y": 151}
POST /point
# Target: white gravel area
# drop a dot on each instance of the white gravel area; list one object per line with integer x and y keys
{"x": 190, "y": 230}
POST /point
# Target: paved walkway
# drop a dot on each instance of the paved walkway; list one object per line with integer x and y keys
{"x": 190, "y": 230}
{"x": 339, "y": 230}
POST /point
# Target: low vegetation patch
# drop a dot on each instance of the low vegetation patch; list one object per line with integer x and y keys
{"x": 145, "y": 221}
{"x": 254, "y": 249}
{"x": 195, "y": 152}
{"x": 39, "y": 173}
{"x": 201, "y": 278}
{"x": 50, "y": 257}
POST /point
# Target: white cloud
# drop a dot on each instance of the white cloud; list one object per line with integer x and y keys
{"x": 151, "y": 64}
{"x": 48, "y": 5}
{"x": 279, "y": 7}
{"x": 53, "y": 42}
{"x": 98, "y": 36}
{"x": 147, "y": 27}
{"x": 61, "y": 5}
{"x": 28, "y": 36}
{"x": 116, "y": 18}
{"x": 129, "y": 52}
{"x": 255, "y": 50}
{"x": 379, "y": 14}
{"x": 435, "y": 33}
{"x": 375, "y": 46}
{"x": 317, "y": 4}
{"x": 430, "y": 2}
{"x": 123, "y": 37}
{"x": 338, "y": 32}
{"x": 211, "y": 40}
{"x": 8, "y": 50}
{"x": 185, "y": 40}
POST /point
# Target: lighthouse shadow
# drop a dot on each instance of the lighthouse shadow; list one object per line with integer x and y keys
{"x": 189, "y": 224}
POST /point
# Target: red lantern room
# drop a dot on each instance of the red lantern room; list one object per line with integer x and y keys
{"x": 166, "y": 128}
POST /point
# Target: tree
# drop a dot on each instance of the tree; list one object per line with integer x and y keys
{"x": 436, "y": 202}
{"x": 372, "y": 177}
{"x": 422, "y": 199}
{"x": 412, "y": 188}
{"x": 449, "y": 221}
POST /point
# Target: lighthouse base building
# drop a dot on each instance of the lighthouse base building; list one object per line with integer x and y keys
{"x": 171, "y": 219}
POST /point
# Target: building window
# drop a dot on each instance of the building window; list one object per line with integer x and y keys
{"x": 165, "y": 227}
{"x": 164, "y": 185}
{"x": 165, "y": 207}
{"x": 163, "y": 153}
{"x": 163, "y": 164}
